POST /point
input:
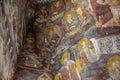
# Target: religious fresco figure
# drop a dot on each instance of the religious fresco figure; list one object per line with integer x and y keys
{"x": 114, "y": 67}
{"x": 86, "y": 55}
{"x": 65, "y": 57}
{"x": 106, "y": 17}
{"x": 40, "y": 14}
{"x": 57, "y": 10}
{"x": 53, "y": 37}
{"x": 28, "y": 56}
{"x": 71, "y": 26}
{"x": 58, "y": 76}
{"x": 68, "y": 17}
{"x": 69, "y": 71}
{"x": 83, "y": 15}
{"x": 67, "y": 26}
{"x": 115, "y": 9}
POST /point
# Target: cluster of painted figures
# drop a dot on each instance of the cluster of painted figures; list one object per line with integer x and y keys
{"x": 66, "y": 41}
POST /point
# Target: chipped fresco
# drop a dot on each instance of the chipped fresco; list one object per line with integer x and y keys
{"x": 70, "y": 40}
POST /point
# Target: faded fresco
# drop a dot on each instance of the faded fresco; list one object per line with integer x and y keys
{"x": 65, "y": 40}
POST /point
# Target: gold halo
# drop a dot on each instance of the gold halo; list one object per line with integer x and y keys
{"x": 57, "y": 76}
{"x": 45, "y": 76}
{"x": 77, "y": 7}
{"x": 114, "y": 3}
{"x": 111, "y": 60}
{"x": 66, "y": 16}
{"x": 66, "y": 54}
{"x": 55, "y": 3}
{"x": 81, "y": 41}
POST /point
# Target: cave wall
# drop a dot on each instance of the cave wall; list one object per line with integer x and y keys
{"x": 12, "y": 26}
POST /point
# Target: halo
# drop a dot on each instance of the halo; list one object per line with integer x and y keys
{"x": 57, "y": 76}
{"x": 66, "y": 15}
{"x": 80, "y": 43}
{"x": 66, "y": 54}
{"x": 77, "y": 7}
{"x": 60, "y": 2}
{"x": 45, "y": 76}
{"x": 114, "y": 3}
{"x": 111, "y": 60}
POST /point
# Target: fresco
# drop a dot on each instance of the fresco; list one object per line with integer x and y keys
{"x": 110, "y": 12}
{"x": 90, "y": 35}
{"x": 65, "y": 40}
{"x": 69, "y": 71}
{"x": 107, "y": 45}
{"x": 102, "y": 68}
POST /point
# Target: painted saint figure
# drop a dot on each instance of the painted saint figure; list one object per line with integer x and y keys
{"x": 102, "y": 12}
{"x": 114, "y": 68}
{"x": 86, "y": 55}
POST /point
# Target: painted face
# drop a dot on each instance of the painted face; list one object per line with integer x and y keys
{"x": 83, "y": 45}
{"x": 56, "y": 10}
{"x": 50, "y": 33}
{"x": 57, "y": 3}
{"x": 68, "y": 17}
{"x": 114, "y": 67}
{"x": 114, "y": 3}
{"x": 79, "y": 11}
{"x": 115, "y": 72}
